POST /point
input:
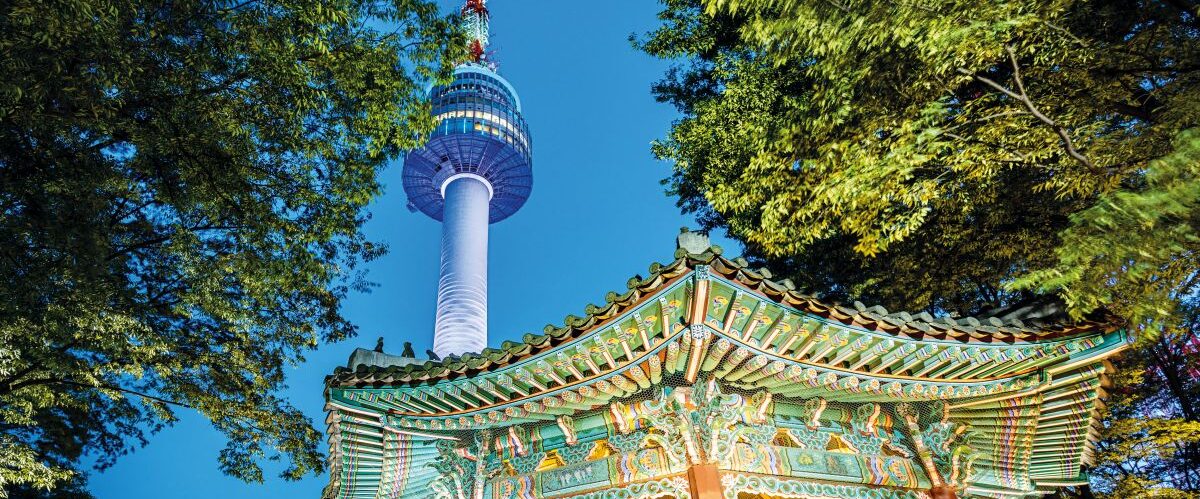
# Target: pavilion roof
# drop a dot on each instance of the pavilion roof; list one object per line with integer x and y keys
{"x": 1010, "y": 329}
{"x": 1030, "y": 388}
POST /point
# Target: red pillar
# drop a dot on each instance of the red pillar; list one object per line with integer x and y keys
{"x": 705, "y": 482}
{"x": 943, "y": 492}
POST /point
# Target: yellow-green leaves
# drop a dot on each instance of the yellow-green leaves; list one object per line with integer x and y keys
{"x": 958, "y": 136}
{"x": 1134, "y": 245}
{"x": 22, "y": 466}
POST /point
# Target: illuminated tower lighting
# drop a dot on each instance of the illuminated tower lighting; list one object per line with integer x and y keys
{"x": 476, "y": 169}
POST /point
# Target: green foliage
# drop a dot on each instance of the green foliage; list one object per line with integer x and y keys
{"x": 182, "y": 187}
{"x": 1138, "y": 245}
{"x": 1152, "y": 436}
{"x": 963, "y": 157}
{"x": 864, "y": 145}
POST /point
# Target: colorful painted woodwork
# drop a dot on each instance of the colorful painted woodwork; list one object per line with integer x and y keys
{"x": 709, "y": 365}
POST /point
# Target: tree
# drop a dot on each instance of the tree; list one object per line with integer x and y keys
{"x": 962, "y": 157}
{"x": 1152, "y": 442}
{"x": 182, "y": 187}
{"x": 1041, "y": 146}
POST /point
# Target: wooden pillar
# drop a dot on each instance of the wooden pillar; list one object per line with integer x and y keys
{"x": 943, "y": 492}
{"x": 705, "y": 482}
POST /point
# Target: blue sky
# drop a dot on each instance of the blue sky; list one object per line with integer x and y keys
{"x": 596, "y": 217}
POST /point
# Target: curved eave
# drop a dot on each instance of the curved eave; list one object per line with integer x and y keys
{"x": 699, "y": 323}
{"x": 900, "y": 326}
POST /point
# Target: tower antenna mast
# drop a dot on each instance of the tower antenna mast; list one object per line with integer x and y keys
{"x": 475, "y": 23}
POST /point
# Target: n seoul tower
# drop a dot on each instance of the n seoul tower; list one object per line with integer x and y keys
{"x": 475, "y": 170}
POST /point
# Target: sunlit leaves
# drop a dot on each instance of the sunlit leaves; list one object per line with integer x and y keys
{"x": 922, "y": 135}
{"x": 1138, "y": 245}
{"x": 21, "y": 465}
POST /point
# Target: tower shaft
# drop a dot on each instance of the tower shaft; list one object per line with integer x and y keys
{"x": 461, "y": 322}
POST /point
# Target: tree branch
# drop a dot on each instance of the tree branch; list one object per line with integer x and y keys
{"x": 6, "y": 385}
{"x": 839, "y": 6}
{"x": 163, "y": 239}
{"x": 1066, "y": 32}
{"x": 235, "y": 8}
{"x": 102, "y": 386}
{"x": 1023, "y": 97}
{"x": 131, "y": 392}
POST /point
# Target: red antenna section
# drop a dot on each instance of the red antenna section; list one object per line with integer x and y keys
{"x": 475, "y": 7}
{"x": 477, "y": 51}
{"x": 475, "y": 22}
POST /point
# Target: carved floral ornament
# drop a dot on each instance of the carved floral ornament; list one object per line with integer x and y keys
{"x": 697, "y": 424}
{"x": 700, "y": 424}
{"x": 737, "y": 483}
{"x": 944, "y": 447}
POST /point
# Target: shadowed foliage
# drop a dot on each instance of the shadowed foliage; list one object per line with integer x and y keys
{"x": 182, "y": 187}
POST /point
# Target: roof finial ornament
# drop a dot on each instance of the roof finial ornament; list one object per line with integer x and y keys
{"x": 693, "y": 242}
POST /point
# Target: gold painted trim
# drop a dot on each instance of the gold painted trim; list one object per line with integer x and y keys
{"x": 643, "y": 356}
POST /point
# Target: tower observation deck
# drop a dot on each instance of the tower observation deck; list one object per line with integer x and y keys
{"x": 475, "y": 170}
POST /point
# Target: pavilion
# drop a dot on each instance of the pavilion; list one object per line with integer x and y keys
{"x": 707, "y": 379}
